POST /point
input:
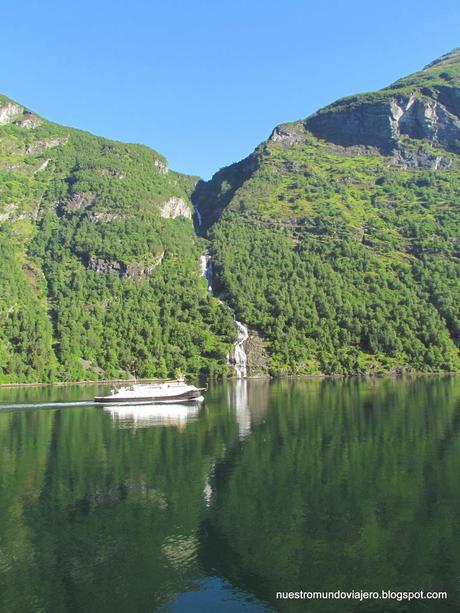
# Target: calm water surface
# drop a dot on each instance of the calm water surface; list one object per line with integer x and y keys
{"x": 267, "y": 486}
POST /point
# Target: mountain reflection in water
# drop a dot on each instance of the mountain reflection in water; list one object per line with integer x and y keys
{"x": 265, "y": 487}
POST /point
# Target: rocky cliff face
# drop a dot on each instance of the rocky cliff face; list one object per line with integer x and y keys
{"x": 342, "y": 218}
{"x": 382, "y": 123}
{"x": 211, "y": 197}
{"x": 12, "y": 112}
{"x": 422, "y": 107}
{"x": 414, "y": 123}
{"x": 175, "y": 207}
{"x": 8, "y": 111}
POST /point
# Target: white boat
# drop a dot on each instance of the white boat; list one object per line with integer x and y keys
{"x": 146, "y": 393}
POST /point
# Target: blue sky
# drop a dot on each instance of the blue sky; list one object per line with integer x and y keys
{"x": 204, "y": 82}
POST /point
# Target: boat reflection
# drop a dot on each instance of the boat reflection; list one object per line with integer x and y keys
{"x": 148, "y": 415}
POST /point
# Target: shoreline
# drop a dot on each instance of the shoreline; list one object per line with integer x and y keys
{"x": 389, "y": 375}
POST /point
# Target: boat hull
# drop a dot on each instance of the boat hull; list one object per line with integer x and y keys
{"x": 186, "y": 396}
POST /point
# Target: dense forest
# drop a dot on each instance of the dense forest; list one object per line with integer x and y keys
{"x": 336, "y": 242}
{"x": 344, "y": 257}
{"x": 100, "y": 274}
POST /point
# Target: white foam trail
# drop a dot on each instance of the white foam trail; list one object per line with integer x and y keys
{"x": 51, "y": 405}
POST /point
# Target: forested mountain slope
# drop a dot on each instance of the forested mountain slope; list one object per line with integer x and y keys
{"x": 337, "y": 240}
{"x": 99, "y": 261}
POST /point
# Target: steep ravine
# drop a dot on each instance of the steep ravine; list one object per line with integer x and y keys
{"x": 237, "y": 358}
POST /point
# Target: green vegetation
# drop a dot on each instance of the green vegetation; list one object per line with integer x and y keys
{"x": 70, "y": 485}
{"x": 434, "y": 81}
{"x": 334, "y": 306}
{"x": 338, "y": 481}
{"x": 346, "y": 482}
{"x": 345, "y": 260}
{"x": 95, "y": 283}
{"x": 343, "y": 256}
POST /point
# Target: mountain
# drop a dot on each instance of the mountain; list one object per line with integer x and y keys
{"x": 337, "y": 240}
{"x": 99, "y": 260}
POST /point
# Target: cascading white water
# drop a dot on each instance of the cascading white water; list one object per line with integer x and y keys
{"x": 237, "y": 357}
{"x": 198, "y": 217}
{"x": 206, "y": 269}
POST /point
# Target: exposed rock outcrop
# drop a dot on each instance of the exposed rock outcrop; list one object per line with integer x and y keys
{"x": 140, "y": 269}
{"x": 382, "y": 122}
{"x": 175, "y": 207}
{"x": 162, "y": 166}
{"x": 9, "y": 111}
{"x": 76, "y": 202}
{"x": 420, "y": 158}
{"x": 29, "y": 121}
{"x": 89, "y": 365}
{"x": 449, "y": 97}
{"x": 211, "y": 197}
{"x": 40, "y": 146}
{"x": 289, "y": 134}
{"x": 8, "y": 212}
{"x": 103, "y": 216}
{"x": 103, "y": 266}
{"x": 257, "y": 355}
{"x": 129, "y": 270}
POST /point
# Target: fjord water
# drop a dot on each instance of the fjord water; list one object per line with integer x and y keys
{"x": 268, "y": 486}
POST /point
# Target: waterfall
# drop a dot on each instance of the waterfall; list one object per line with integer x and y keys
{"x": 198, "y": 218}
{"x": 237, "y": 357}
{"x": 206, "y": 269}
